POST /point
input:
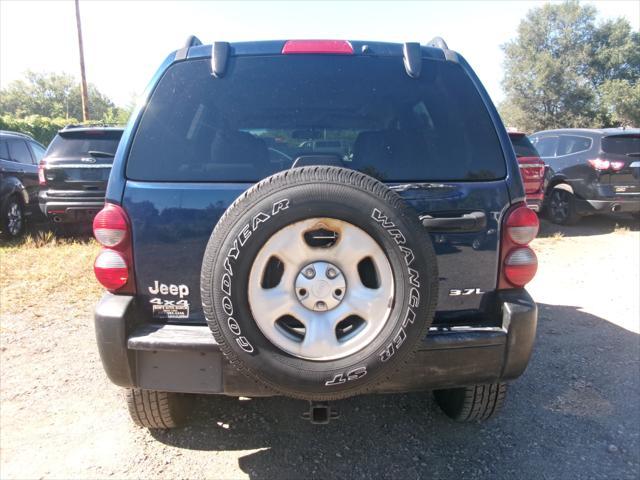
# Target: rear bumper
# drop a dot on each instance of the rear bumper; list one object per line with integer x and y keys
{"x": 623, "y": 205}
{"x": 70, "y": 207}
{"x": 597, "y": 197}
{"x": 181, "y": 358}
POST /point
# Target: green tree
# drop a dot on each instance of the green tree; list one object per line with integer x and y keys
{"x": 120, "y": 115}
{"x": 43, "y": 129}
{"x": 560, "y": 68}
{"x": 615, "y": 53}
{"x": 620, "y": 102}
{"x": 53, "y": 95}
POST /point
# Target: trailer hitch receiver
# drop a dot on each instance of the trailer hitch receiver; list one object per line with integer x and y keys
{"x": 320, "y": 413}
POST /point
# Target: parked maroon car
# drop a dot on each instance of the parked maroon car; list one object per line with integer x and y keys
{"x": 531, "y": 168}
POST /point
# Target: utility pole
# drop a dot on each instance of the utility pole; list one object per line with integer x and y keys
{"x": 83, "y": 84}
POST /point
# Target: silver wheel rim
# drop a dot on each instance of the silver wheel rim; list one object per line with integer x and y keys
{"x": 14, "y": 219}
{"x": 321, "y": 336}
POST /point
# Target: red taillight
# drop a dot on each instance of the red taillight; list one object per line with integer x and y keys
{"x": 110, "y": 225}
{"x": 41, "y": 178}
{"x": 599, "y": 164}
{"x": 617, "y": 165}
{"x": 111, "y": 269}
{"x": 522, "y": 225}
{"x": 520, "y": 266}
{"x": 114, "y": 265}
{"x": 531, "y": 167}
{"x": 532, "y": 171}
{"x": 337, "y": 47}
{"x": 518, "y": 263}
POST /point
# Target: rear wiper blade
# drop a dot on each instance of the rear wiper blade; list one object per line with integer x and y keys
{"x": 633, "y": 154}
{"x": 98, "y": 153}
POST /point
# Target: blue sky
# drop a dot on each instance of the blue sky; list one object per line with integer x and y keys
{"x": 126, "y": 41}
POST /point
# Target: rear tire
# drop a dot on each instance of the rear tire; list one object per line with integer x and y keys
{"x": 13, "y": 221}
{"x": 562, "y": 208}
{"x": 471, "y": 404}
{"x": 152, "y": 409}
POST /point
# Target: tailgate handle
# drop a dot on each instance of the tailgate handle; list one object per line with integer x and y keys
{"x": 468, "y": 222}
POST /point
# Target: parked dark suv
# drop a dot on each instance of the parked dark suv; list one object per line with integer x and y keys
{"x": 590, "y": 171}
{"x": 74, "y": 172}
{"x": 19, "y": 157}
{"x": 238, "y": 268}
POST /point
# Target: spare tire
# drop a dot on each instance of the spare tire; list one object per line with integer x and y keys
{"x": 319, "y": 282}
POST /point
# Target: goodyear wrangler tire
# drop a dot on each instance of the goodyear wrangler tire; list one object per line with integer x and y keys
{"x": 319, "y": 282}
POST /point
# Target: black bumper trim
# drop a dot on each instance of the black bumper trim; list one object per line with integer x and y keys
{"x": 112, "y": 319}
{"x": 186, "y": 358}
{"x": 83, "y": 205}
{"x": 176, "y": 338}
{"x": 624, "y": 205}
{"x": 71, "y": 202}
{"x": 173, "y": 338}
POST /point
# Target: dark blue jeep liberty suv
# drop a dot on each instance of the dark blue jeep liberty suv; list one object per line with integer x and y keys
{"x": 316, "y": 219}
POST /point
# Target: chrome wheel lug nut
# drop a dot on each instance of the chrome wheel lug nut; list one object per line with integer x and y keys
{"x": 331, "y": 273}
{"x": 321, "y": 306}
{"x": 309, "y": 272}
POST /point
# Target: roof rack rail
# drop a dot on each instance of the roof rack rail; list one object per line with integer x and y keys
{"x": 449, "y": 55}
{"x": 17, "y": 134}
{"x": 219, "y": 56}
{"x": 438, "y": 42}
{"x": 412, "y": 55}
{"x": 192, "y": 41}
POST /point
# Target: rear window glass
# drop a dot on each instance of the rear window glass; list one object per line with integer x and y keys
{"x": 267, "y": 111}
{"x": 570, "y": 144}
{"x": 622, "y": 144}
{"x": 78, "y": 144}
{"x": 4, "y": 151}
{"x": 522, "y": 146}
{"x": 546, "y": 147}
{"x": 19, "y": 152}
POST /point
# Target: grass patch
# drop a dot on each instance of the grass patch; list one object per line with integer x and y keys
{"x": 42, "y": 276}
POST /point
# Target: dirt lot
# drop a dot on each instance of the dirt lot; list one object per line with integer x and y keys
{"x": 574, "y": 414}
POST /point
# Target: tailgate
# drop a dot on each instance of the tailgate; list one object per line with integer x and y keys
{"x": 623, "y": 154}
{"x": 172, "y": 223}
{"x": 88, "y": 174}
{"x": 431, "y": 138}
{"x": 81, "y": 158}
{"x": 467, "y": 261}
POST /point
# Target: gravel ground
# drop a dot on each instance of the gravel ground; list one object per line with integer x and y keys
{"x": 575, "y": 413}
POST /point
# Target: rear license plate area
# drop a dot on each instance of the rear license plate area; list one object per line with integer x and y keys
{"x": 94, "y": 174}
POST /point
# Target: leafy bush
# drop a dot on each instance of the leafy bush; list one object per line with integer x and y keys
{"x": 43, "y": 129}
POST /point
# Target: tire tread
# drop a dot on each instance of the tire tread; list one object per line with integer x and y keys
{"x": 473, "y": 403}
{"x": 153, "y": 409}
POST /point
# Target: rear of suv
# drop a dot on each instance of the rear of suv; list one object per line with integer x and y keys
{"x": 590, "y": 171}
{"x": 74, "y": 172}
{"x": 239, "y": 262}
